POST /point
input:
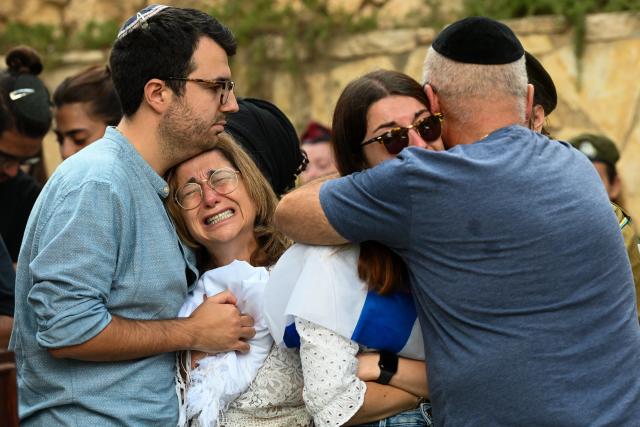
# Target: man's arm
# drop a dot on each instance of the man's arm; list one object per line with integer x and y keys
{"x": 374, "y": 204}
{"x": 299, "y": 215}
{"x": 215, "y": 326}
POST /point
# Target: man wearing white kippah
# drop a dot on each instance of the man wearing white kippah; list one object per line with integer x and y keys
{"x": 101, "y": 274}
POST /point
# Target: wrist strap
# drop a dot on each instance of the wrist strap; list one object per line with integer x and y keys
{"x": 388, "y": 365}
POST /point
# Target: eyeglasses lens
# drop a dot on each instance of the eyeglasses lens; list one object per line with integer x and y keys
{"x": 429, "y": 128}
{"x": 397, "y": 139}
{"x": 222, "y": 181}
{"x": 226, "y": 88}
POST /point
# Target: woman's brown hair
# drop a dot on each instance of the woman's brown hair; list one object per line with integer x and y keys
{"x": 271, "y": 243}
{"x": 92, "y": 86}
{"x": 382, "y": 270}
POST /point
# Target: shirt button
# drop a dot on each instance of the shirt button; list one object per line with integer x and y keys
{"x": 165, "y": 190}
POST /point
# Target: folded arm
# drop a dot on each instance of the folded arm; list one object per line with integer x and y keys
{"x": 214, "y": 327}
{"x": 411, "y": 375}
{"x": 333, "y": 393}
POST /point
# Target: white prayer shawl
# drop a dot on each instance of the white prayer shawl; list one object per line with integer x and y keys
{"x": 321, "y": 284}
{"x": 219, "y": 379}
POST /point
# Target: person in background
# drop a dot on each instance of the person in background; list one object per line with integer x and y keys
{"x": 25, "y": 118}
{"x": 268, "y": 136}
{"x": 102, "y": 274}
{"x": 7, "y": 281}
{"x": 545, "y": 100}
{"x": 85, "y": 104}
{"x": 316, "y": 143}
{"x": 604, "y": 155}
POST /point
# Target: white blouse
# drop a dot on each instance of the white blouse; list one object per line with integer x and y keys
{"x": 332, "y": 391}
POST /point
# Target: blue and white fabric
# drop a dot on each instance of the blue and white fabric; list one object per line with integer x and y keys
{"x": 321, "y": 284}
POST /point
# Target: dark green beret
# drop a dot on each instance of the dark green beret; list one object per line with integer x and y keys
{"x": 479, "y": 40}
{"x": 598, "y": 148}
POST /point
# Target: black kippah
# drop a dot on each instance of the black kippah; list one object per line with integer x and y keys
{"x": 479, "y": 40}
{"x": 269, "y": 137}
{"x": 544, "y": 90}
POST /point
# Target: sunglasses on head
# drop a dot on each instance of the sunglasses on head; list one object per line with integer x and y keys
{"x": 394, "y": 140}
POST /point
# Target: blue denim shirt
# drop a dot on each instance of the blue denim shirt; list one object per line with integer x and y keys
{"x": 98, "y": 243}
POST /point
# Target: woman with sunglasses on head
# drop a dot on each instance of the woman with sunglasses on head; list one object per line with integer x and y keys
{"x": 349, "y": 308}
{"x": 222, "y": 205}
{"x": 85, "y": 104}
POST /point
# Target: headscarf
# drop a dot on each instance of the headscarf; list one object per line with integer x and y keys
{"x": 269, "y": 137}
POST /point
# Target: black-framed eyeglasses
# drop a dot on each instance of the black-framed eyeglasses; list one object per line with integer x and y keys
{"x": 222, "y": 86}
{"x": 395, "y": 139}
{"x": 6, "y": 159}
{"x": 222, "y": 181}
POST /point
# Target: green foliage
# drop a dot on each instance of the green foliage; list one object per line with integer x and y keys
{"x": 303, "y": 30}
{"x": 98, "y": 35}
{"x": 574, "y": 11}
{"x": 51, "y": 42}
{"x": 43, "y": 38}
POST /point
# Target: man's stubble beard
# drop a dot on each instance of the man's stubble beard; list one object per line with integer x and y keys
{"x": 182, "y": 135}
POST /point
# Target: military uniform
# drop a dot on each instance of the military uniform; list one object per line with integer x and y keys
{"x": 631, "y": 243}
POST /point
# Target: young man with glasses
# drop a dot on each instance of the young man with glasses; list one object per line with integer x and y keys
{"x": 102, "y": 274}
{"x": 504, "y": 237}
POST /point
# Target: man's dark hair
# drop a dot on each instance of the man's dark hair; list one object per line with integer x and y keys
{"x": 161, "y": 48}
{"x": 94, "y": 87}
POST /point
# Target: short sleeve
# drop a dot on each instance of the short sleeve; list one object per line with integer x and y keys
{"x": 332, "y": 391}
{"x": 75, "y": 264}
{"x": 374, "y": 204}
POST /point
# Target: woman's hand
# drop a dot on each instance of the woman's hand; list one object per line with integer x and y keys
{"x": 197, "y": 356}
{"x": 368, "y": 369}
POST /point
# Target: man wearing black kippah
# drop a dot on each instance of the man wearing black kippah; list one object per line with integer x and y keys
{"x": 504, "y": 236}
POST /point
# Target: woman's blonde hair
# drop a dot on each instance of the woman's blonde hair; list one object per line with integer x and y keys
{"x": 271, "y": 243}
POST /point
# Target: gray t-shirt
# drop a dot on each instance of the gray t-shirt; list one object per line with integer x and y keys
{"x": 520, "y": 277}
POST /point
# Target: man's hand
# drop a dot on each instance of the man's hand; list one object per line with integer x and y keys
{"x": 217, "y": 325}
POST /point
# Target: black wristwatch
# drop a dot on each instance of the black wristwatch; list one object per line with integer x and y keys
{"x": 388, "y": 364}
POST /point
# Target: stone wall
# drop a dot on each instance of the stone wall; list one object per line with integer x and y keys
{"x": 604, "y": 99}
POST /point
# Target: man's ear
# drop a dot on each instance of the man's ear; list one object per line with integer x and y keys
{"x": 157, "y": 95}
{"x": 434, "y": 103}
{"x": 529, "y": 106}
{"x": 615, "y": 188}
{"x": 537, "y": 118}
